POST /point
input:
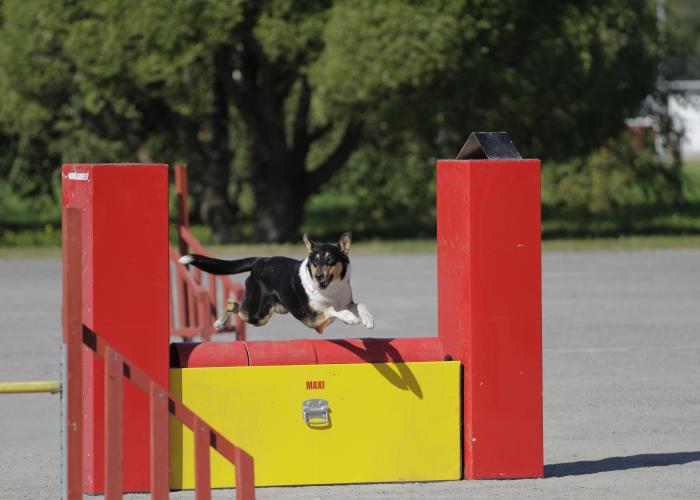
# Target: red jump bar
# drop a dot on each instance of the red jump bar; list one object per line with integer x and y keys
{"x": 305, "y": 352}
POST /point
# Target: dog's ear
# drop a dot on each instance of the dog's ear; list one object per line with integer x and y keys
{"x": 345, "y": 242}
{"x": 310, "y": 244}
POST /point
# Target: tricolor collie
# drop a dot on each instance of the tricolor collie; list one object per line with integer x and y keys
{"x": 316, "y": 291}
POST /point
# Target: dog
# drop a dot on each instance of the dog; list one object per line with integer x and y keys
{"x": 316, "y": 291}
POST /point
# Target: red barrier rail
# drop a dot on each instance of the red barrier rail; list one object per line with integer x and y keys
{"x": 196, "y": 313}
{"x": 77, "y": 335}
{"x": 305, "y": 352}
{"x": 197, "y": 305}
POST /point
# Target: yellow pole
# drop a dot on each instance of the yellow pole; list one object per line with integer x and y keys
{"x": 52, "y": 386}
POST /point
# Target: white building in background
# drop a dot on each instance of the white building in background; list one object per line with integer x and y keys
{"x": 687, "y": 111}
{"x": 684, "y": 106}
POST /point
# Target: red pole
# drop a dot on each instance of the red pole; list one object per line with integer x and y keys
{"x": 203, "y": 314}
{"x": 191, "y": 306}
{"x": 114, "y": 422}
{"x": 160, "y": 486}
{"x": 489, "y": 309}
{"x": 72, "y": 336}
{"x": 240, "y": 324}
{"x": 171, "y": 319}
{"x": 202, "y": 472}
{"x": 213, "y": 297}
{"x": 124, "y": 214}
{"x": 181, "y": 296}
{"x": 183, "y": 218}
{"x": 245, "y": 479}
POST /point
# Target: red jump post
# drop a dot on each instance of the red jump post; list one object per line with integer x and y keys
{"x": 125, "y": 298}
{"x": 489, "y": 302}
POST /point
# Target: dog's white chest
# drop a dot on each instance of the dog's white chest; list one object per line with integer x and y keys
{"x": 338, "y": 295}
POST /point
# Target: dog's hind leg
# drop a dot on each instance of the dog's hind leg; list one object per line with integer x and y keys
{"x": 257, "y": 307}
{"x": 232, "y": 307}
{"x": 263, "y": 313}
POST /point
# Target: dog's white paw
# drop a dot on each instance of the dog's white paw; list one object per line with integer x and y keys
{"x": 365, "y": 316}
{"x": 186, "y": 259}
{"x": 347, "y": 317}
{"x": 220, "y": 324}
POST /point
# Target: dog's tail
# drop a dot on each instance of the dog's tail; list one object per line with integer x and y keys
{"x": 218, "y": 266}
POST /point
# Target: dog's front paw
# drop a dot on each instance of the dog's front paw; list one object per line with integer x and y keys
{"x": 365, "y": 316}
{"x": 347, "y": 317}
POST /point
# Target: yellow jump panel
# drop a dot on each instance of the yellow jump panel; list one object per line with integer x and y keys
{"x": 385, "y": 422}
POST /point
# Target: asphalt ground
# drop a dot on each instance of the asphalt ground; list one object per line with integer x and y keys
{"x": 621, "y": 336}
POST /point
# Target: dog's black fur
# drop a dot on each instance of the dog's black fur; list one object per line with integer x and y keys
{"x": 275, "y": 285}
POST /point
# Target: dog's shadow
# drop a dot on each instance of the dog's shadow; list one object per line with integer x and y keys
{"x": 379, "y": 352}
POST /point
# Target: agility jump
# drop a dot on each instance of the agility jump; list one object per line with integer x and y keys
{"x": 317, "y": 411}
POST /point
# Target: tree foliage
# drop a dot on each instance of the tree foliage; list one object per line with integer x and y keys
{"x": 284, "y": 105}
{"x": 682, "y": 58}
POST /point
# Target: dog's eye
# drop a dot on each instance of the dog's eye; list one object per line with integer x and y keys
{"x": 330, "y": 260}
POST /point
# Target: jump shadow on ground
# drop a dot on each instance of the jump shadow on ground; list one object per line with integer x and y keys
{"x": 620, "y": 463}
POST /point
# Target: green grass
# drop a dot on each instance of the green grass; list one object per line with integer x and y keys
{"x": 691, "y": 169}
{"x": 358, "y": 248}
{"x": 641, "y": 220}
{"x": 652, "y": 242}
{"x": 641, "y": 227}
{"x": 27, "y": 252}
{"x": 644, "y": 242}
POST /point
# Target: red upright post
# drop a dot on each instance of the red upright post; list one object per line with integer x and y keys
{"x": 160, "y": 428}
{"x": 203, "y": 314}
{"x": 73, "y": 341}
{"x": 489, "y": 309}
{"x": 245, "y": 480}
{"x": 183, "y": 216}
{"x": 202, "y": 468}
{"x": 114, "y": 415}
{"x": 240, "y": 324}
{"x": 125, "y": 299}
{"x": 183, "y": 220}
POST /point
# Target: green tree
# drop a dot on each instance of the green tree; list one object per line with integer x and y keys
{"x": 682, "y": 61}
{"x": 559, "y": 76}
{"x": 272, "y": 98}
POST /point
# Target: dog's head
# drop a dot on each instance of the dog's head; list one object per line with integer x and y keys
{"x": 328, "y": 262}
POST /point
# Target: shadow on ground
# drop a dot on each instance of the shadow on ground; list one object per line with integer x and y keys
{"x": 620, "y": 463}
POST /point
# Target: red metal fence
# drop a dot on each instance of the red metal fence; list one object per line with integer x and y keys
{"x": 77, "y": 335}
{"x": 197, "y": 304}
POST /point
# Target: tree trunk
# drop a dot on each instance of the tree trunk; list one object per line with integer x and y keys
{"x": 277, "y": 177}
{"x": 215, "y": 207}
{"x": 278, "y": 163}
{"x": 282, "y": 185}
{"x": 280, "y": 212}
